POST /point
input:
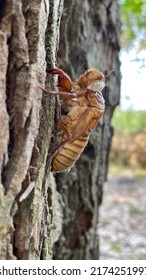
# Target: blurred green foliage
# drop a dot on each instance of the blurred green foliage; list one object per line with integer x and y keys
{"x": 133, "y": 16}
{"x": 129, "y": 122}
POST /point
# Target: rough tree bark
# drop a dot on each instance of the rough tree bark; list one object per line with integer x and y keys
{"x": 89, "y": 38}
{"x": 29, "y": 29}
{"x": 33, "y": 213}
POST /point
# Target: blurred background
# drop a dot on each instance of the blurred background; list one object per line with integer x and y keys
{"x": 125, "y": 192}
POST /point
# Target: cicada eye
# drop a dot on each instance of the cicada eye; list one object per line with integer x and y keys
{"x": 98, "y": 85}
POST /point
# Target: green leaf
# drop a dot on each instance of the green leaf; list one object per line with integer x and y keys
{"x": 133, "y": 15}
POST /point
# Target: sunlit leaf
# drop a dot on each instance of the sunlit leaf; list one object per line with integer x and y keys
{"x": 133, "y": 14}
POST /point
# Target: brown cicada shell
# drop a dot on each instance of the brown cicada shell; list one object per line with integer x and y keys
{"x": 87, "y": 105}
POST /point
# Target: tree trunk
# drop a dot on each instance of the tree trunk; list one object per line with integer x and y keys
{"x": 34, "y": 215}
{"x": 29, "y": 219}
{"x": 89, "y": 38}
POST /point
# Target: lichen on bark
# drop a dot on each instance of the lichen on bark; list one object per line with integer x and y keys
{"x": 28, "y": 122}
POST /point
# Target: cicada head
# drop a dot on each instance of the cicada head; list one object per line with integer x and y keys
{"x": 92, "y": 79}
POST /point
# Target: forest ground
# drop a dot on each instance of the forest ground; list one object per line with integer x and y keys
{"x": 122, "y": 220}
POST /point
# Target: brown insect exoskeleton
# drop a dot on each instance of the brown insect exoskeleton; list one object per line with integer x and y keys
{"x": 87, "y": 105}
